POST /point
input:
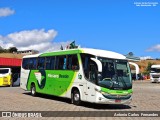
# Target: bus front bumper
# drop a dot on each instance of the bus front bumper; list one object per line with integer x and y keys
{"x": 155, "y": 79}
{"x": 116, "y": 99}
{"x": 113, "y": 101}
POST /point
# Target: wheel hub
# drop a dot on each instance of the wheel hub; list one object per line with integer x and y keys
{"x": 76, "y": 97}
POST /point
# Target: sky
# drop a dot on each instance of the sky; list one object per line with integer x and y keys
{"x": 121, "y": 26}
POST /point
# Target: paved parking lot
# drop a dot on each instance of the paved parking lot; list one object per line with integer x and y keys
{"x": 146, "y": 97}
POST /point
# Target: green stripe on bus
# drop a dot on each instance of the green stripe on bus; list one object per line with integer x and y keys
{"x": 71, "y": 83}
{"x": 116, "y": 92}
{"x": 67, "y": 52}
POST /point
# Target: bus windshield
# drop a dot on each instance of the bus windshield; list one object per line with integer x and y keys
{"x": 155, "y": 70}
{"x": 4, "y": 71}
{"x": 115, "y": 74}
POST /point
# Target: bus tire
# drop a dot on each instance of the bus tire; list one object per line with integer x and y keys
{"x": 33, "y": 89}
{"x": 75, "y": 97}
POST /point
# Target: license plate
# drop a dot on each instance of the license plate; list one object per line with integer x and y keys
{"x": 117, "y": 101}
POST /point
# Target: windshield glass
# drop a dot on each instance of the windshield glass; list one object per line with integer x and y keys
{"x": 155, "y": 70}
{"x": 3, "y": 71}
{"x": 115, "y": 74}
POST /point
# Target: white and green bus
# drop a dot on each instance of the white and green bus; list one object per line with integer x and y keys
{"x": 81, "y": 74}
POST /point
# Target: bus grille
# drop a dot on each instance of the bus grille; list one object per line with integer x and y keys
{"x": 122, "y": 97}
{"x": 155, "y": 76}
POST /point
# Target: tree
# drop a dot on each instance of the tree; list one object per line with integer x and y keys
{"x": 12, "y": 49}
{"x": 148, "y": 68}
{"x": 130, "y": 54}
{"x": 1, "y": 50}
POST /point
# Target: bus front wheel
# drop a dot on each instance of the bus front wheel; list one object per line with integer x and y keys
{"x": 33, "y": 90}
{"x": 75, "y": 97}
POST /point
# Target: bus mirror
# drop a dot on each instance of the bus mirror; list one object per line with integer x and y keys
{"x": 99, "y": 64}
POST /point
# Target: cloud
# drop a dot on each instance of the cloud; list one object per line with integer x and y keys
{"x": 155, "y": 48}
{"x": 40, "y": 40}
{"x": 25, "y": 38}
{"x": 6, "y": 12}
{"x": 145, "y": 57}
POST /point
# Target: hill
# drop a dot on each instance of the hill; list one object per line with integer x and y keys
{"x": 144, "y": 63}
{"x": 11, "y": 55}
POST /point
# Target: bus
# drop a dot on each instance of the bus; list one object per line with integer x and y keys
{"x": 155, "y": 73}
{"x": 5, "y": 77}
{"x": 82, "y": 74}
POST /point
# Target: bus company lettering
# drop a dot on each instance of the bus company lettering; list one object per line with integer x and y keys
{"x": 63, "y": 76}
{"x": 58, "y": 76}
{"x": 53, "y": 76}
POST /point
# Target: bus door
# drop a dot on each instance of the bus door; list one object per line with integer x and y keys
{"x": 91, "y": 84}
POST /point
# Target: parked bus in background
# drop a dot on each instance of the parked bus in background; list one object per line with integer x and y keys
{"x": 155, "y": 73}
{"x": 81, "y": 74}
{"x": 5, "y": 77}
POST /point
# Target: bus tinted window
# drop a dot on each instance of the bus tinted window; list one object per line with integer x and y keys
{"x": 3, "y": 71}
{"x": 25, "y": 63}
{"x": 32, "y": 63}
{"x": 50, "y": 63}
{"x": 41, "y": 63}
{"x": 72, "y": 62}
{"x": 61, "y": 62}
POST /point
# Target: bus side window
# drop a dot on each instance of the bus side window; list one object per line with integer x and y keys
{"x": 33, "y": 63}
{"x": 69, "y": 62}
{"x": 50, "y": 63}
{"x": 61, "y": 62}
{"x": 75, "y": 64}
{"x": 72, "y": 63}
{"x": 25, "y": 63}
{"x": 41, "y": 61}
{"x": 65, "y": 63}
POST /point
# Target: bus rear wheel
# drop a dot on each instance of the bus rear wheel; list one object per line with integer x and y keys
{"x": 33, "y": 90}
{"x": 75, "y": 97}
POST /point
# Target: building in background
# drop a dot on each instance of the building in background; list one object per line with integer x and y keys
{"x": 28, "y": 52}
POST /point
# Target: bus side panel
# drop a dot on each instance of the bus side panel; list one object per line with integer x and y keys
{"x": 53, "y": 82}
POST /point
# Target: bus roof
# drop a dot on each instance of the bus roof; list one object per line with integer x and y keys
{"x": 96, "y": 52}
{"x": 30, "y": 56}
{"x": 103, "y": 53}
{"x": 155, "y": 66}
